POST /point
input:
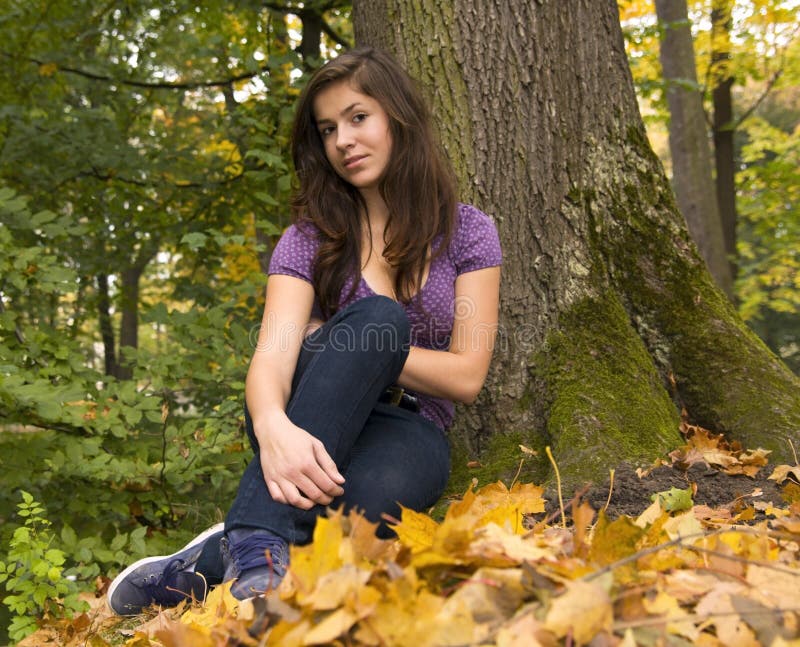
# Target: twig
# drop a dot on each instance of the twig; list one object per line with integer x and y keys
{"x": 610, "y": 489}
{"x": 679, "y": 540}
{"x": 694, "y": 617}
{"x": 516, "y": 476}
{"x": 794, "y": 453}
{"x": 558, "y": 483}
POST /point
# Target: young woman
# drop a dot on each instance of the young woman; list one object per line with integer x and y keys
{"x": 381, "y": 311}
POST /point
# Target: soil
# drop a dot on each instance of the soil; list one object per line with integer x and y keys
{"x": 719, "y": 491}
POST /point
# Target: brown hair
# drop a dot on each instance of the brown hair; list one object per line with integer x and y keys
{"x": 418, "y": 185}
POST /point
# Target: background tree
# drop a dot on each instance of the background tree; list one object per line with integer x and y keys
{"x": 688, "y": 141}
{"x": 754, "y": 83}
{"x": 610, "y": 320}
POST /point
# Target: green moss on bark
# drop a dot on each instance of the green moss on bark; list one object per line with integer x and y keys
{"x": 501, "y": 460}
{"x": 608, "y": 402}
{"x": 727, "y": 379}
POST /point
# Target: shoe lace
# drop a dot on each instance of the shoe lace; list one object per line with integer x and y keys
{"x": 164, "y": 588}
{"x": 259, "y": 550}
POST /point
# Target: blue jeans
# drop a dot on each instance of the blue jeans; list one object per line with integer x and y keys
{"x": 388, "y": 455}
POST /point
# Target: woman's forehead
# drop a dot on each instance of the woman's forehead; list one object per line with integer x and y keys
{"x": 336, "y": 98}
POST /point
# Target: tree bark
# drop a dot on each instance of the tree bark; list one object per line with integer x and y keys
{"x": 129, "y": 326}
{"x": 605, "y": 302}
{"x": 688, "y": 141}
{"x": 106, "y": 327}
{"x": 723, "y": 125}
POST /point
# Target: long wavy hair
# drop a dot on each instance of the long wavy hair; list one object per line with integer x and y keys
{"x": 418, "y": 185}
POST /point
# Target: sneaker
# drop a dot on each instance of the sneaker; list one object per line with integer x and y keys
{"x": 256, "y": 559}
{"x": 165, "y": 580}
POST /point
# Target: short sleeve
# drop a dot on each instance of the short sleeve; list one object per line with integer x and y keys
{"x": 476, "y": 244}
{"x": 295, "y": 253}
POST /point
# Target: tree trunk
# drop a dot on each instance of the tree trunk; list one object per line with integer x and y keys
{"x": 106, "y": 327}
{"x": 129, "y": 327}
{"x": 723, "y": 125}
{"x": 605, "y": 301}
{"x": 688, "y": 141}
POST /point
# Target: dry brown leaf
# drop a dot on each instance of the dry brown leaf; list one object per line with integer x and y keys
{"x": 784, "y": 472}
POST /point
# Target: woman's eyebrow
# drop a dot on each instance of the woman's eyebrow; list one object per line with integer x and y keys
{"x": 341, "y": 114}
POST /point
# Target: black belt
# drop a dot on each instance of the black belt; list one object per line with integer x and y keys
{"x": 399, "y": 397}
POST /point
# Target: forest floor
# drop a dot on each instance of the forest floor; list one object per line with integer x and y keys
{"x": 715, "y": 489}
{"x": 702, "y": 549}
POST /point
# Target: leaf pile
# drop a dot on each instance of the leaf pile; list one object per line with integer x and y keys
{"x": 493, "y": 572}
{"x": 704, "y": 446}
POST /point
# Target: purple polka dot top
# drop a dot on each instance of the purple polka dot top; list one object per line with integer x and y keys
{"x": 474, "y": 246}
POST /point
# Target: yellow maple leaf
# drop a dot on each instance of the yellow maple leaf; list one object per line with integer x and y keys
{"x": 524, "y": 630}
{"x": 584, "y": 609}
{"x": 360, "y": 603}
{"x": 330, "y": 627}
{"x": 219, "y": 604}
{"x": 666, "y": 605}
{"x": 492, "y": 543}
{"x": 333, "y": 588}
{"x": 613, "y": 540}
{"x": 180, "y": 635}
{"x": 365, "y": 543}
{"x": 484, "y": 601}
{"x": 416, "y": 530}
{"x": 403, "y": 618}
{"x": 321, "y": 556}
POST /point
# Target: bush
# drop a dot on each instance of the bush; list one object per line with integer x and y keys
{"x": 34, "y": 574}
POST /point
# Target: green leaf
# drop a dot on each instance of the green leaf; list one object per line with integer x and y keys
{"x": 42, "y": 217}
{"x": 674, "y": 499}
{"x": 266, "y": 198}
{"x": 195, "y": 240}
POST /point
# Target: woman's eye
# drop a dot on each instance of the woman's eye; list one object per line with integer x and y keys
{"x": 359, "y": 117}
{"x": 327, "y": 130}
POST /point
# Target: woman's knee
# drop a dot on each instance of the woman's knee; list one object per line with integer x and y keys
{"x": 375, "y": 324}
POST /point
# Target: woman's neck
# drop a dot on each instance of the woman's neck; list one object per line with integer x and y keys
{"x": 377, "y": 211}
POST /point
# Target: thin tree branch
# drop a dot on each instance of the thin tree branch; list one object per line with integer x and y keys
{"x": 335, "y": 37}
{"x": 758, "y": 101}
{"x": 104, "y": 177}
{"x": 186, "y": 85}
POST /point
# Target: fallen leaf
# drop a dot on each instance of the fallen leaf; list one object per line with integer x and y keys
{"x": 783, "y": 472}
{"x": 674, "y": 499}
{"x": 330, "y": 627}
{"x": 668, "y": 607}
{"x": 524, "y": 631}
{"x": 582, "y": 611}
{"x": 332, "y": 589}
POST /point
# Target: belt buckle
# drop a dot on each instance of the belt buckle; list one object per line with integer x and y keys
{"x": 395, "y": 395}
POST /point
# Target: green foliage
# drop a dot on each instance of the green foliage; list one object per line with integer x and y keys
{"x": 34, "y": 575}
{"x": 769, "y": 244}
{"x": 144, "y": 176}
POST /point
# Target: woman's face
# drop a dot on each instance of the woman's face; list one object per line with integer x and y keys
{"x": 355, "y": 132}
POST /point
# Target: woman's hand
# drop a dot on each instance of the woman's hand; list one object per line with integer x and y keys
{"x": 297, "y": 468}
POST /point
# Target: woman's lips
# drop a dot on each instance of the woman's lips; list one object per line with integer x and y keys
{"x": 353, "y": 161}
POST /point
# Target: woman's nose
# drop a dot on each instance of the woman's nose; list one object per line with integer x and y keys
{"x": 344, "y": 138}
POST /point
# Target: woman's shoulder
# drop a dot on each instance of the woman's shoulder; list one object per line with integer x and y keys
{"x": 295, "y": 251}
{"x": 471, "y": 221}
{"x": 475, "y": 241}
{"x": 301, "y": 229}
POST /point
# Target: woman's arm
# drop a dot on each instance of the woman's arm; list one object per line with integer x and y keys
{"x": 297, "y": 468}
{"x": 459, "y": 372}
